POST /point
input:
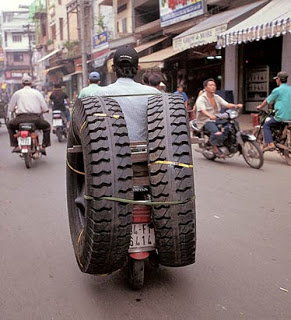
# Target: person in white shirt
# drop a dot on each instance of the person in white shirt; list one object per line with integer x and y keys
{"x": 131, "y": 96}
{"x": 28, "y": 105}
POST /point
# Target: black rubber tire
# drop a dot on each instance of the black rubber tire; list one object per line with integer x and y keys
{"x": 136, "y": 273}
{"x": 27, "y": 160}
{"x": 100, "y": 229}
{"x": 59, "y": 134}
{"x": 256, "y": 146}
{"x": 169, "y": 139}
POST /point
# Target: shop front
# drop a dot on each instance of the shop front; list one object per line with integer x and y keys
{"x": 260, "y": 47}
{"x": 201, "y": 59}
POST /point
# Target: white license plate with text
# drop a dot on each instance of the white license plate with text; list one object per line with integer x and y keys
{"x": 24, "y": 141}
{"x": 57, "y": 122}
{"x": 142, "y": 237}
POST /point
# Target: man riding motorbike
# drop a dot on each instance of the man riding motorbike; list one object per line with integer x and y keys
{"x": 59, "y": 97}
{"x": 28, "y": 105}
{"x": 282, "y": 98}
{"x": 209, "y": 104}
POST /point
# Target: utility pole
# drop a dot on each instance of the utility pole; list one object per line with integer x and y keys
{"x": 83, "y": 41}
{"x": 28, "y": 32}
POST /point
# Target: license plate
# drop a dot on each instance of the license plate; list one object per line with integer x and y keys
{"x": 57, "y": 122}
{"x": 24, "y": 141}
{"x": 142, "y": 238}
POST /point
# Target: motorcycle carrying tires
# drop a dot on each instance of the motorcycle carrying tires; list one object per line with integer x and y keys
{"x": 100, "y": 229}
{"x": 169, "y": 140}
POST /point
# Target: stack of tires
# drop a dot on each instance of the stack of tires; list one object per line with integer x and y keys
{"x": 101, "y": 167}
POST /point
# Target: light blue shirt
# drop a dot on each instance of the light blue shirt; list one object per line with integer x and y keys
{"x": 282, "y": 98}
{"x": 91, "y": 90}
{"x": 133, "y": 107}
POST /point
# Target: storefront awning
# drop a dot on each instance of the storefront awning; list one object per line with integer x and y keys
{"x": 49, "y": 55}
{"x": 68, "y": 77}
{"x": 46, "y": 71}
{"x": 207, "y": 31}
{"x": 272, "y": 20}
{"x": 156, "y": 59}
{"x": 149, "y": 44}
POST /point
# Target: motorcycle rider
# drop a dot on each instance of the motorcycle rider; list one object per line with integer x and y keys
{"x": 132, "y": 100}
{"x": 208, "y": 104}
{"x": 282, "y": 98}
{"x": 28, "y": 105}
{"x": 93, "y": 81}
{"x": 60, "y": 99}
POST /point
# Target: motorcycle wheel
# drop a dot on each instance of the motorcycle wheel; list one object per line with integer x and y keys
{"x": 136, "y": 273}
{"x": 27, "y": 160}
{"x": 253, "y": 154}
{"x": 100, "y": 229}
{"x": 287, "y": 155}
{"x": 259, "y": 136}
{"x": 169, "y": 140}
{"x": 59, "y": 134}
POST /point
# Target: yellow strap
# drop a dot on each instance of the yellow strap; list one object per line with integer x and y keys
{"x": 115, "y": 116}
{"x": 79, "y": 172}
{"x": 172, "y": 163}
{"x": 78, "y": 245}
{"x": 82, "y": 126}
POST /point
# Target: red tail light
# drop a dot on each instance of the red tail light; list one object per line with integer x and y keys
{"x": 141, "y": 213}
{"x": 24, "y": 134}
{"x": 57, "y": 116}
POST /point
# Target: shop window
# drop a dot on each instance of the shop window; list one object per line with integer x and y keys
{"x": 61, "y": 22}
{"x": 53, "y": 32}
{"x": 16, "y": 37}
{"x": 17, "y": 57}
{"x": 124, "y": 25}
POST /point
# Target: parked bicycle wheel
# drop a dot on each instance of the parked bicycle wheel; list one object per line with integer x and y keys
{"x": 169, "y": 140}
{"x": 99, "y": 165}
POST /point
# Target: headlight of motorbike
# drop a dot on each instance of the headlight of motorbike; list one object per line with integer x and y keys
{"x": 233, "y": 114}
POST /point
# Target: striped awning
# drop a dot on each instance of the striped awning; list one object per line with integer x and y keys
{"x": 273, "y": 20}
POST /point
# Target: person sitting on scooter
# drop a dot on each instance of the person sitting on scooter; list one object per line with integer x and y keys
{"x": 58, "y": 97}
{"x": 282, "y": 98}
{"x": 94, "y": 84}
{"x": 28, "y": 105}
{"x": 208, "y": 104}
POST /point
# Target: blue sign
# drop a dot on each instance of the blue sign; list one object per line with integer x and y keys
{"x": 100, "y": 41}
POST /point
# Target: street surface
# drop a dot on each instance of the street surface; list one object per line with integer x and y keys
{"x": 243, "y": 268}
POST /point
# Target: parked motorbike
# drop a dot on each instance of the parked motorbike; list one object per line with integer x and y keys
{"x": 28, "y": 142}
{"x": 236, "y": 141}
{"x": 281, "y": 135}
{"x": 59, "y": 125}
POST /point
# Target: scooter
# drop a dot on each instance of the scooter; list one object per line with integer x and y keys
{"x": 59, "y": 125}
{"x": 28, "y": 142}
{"x": 236, "y": 141}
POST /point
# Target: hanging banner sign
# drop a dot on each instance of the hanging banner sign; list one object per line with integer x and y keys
{"x": 100, "y": 41}
{"x": 173, "y": 11}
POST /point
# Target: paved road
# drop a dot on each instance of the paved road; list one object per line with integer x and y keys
{"x": 243, "y": 251}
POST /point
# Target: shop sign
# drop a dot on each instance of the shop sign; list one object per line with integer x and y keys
{"x": 100, "y": 41}
{"x": 198, "y": 38}
{"x": 173, "y": 11}
{"x": 15, "y": 74}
